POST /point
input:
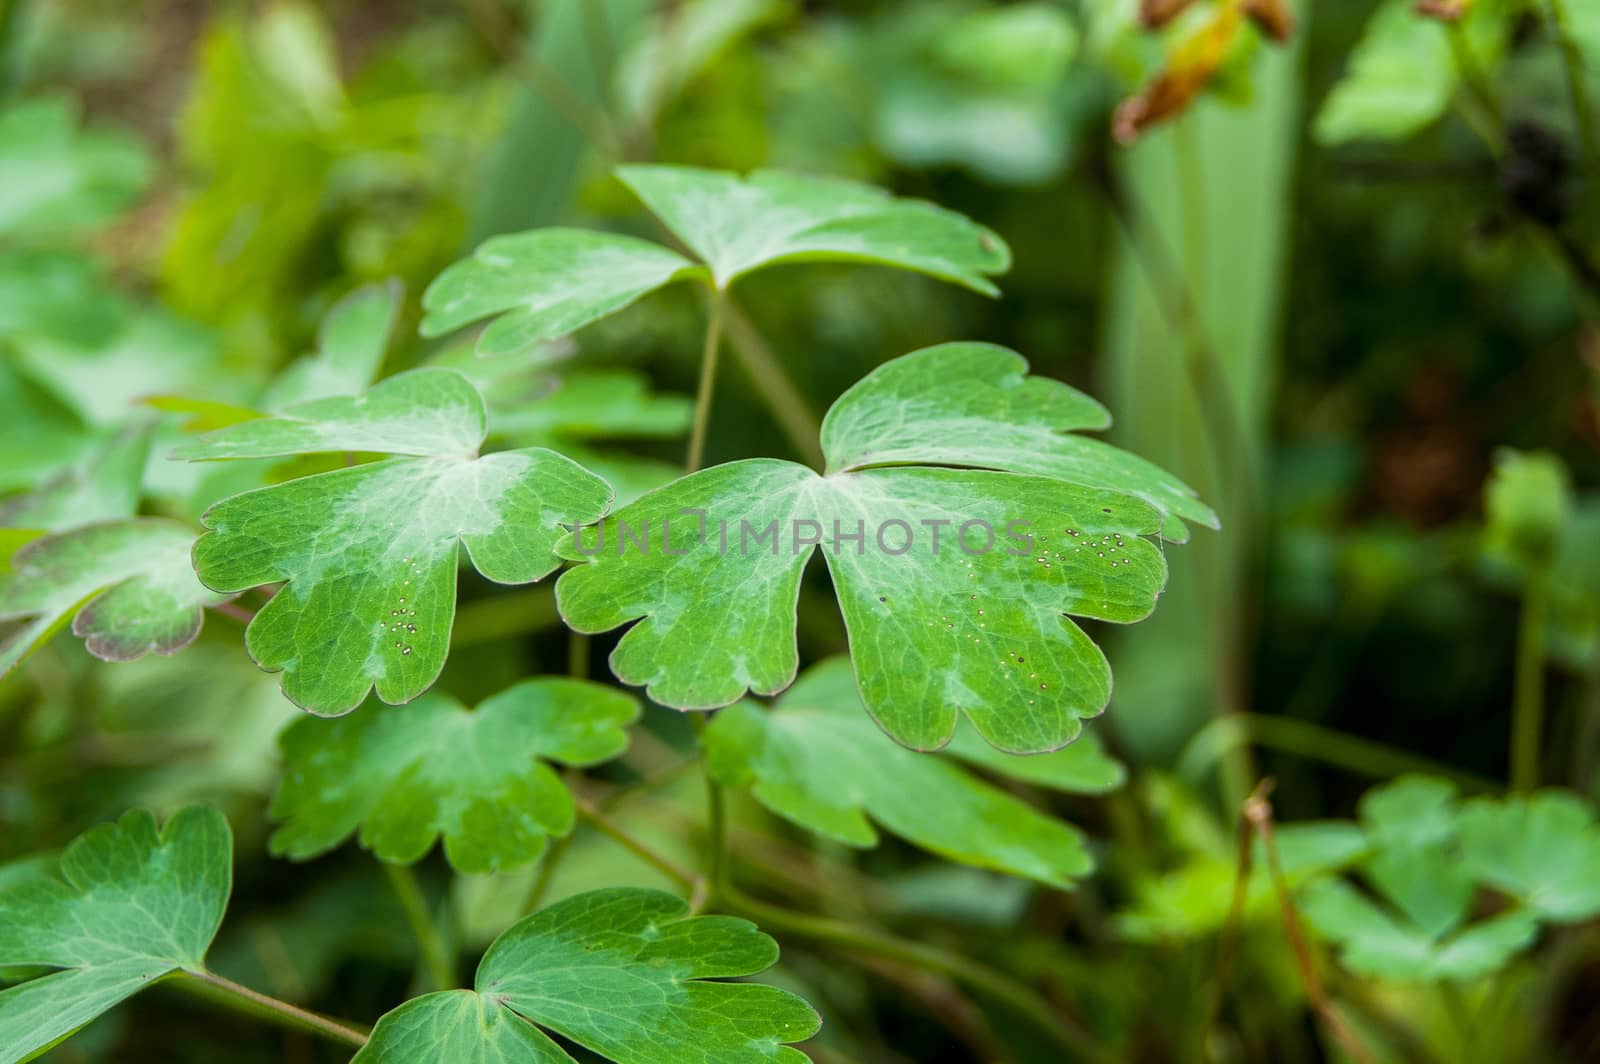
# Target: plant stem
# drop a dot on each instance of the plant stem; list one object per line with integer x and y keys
{"x": 660, "y": 862}
{"x": 708, "y": 381}
{"x": 789, "y": 407}
{"x": 577, "y": 655}
{"x": 1302, "y": 738}
{"x": 226, "y": 992}
{"x": 1003, "y": 988}
{"x": 1257, "y": 818}
{"x": 547, "y": 871}
{"x": 1527, "y": 707}
{"x": 435, "y": 958}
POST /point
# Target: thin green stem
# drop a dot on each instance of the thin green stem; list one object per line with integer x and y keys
{"x": 547, "y": 871}
{"x": 578, "y": 655}
{"x": 430, "y": 943}
{"x": 1002, "y": 988}
{"x": 1484, "y": 114}
{"x": 242, "y": 999}
{"x": 1313, "y": 742}
{"x": 789, "y": 407}
{"x": 11, "y": 30}
{"x": 606, "y": 826}
{"x": 716, "y": 816}
{"x": 1527, "y": 707}
{"x": 708, "y": 381}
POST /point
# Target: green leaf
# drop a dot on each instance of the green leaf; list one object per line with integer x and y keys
{"x": 129, "y": 582}
{"x": 132, "y": 904}
{"x": 625, "y": 973}
{"x": 545, "y": 283}
{"x": 409, "y": 774}
{"x": 1543, "y": 849}
{"x": 974, "y": 405}
{"x": 369, "y": 553}
{"x": 738, "y": 225}
{"x": 59, "y": 179}
{"x": 1402, "y": 74}
{"x": 350, "y": 347}
{"x": 816, "y": 761}
{"x": 975, "y": 623}
{"x": 1401, "y": 77}
{"x": 1415, "y": 924}
{"x": 1377, "y": 942}
{"x": 549, "y": 282}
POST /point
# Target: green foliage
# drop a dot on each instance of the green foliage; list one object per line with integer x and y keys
{"x": 551, "y": 282}
{"x": 369, "y": 554}
{"x": 815, "y": 760}
{"x": 625, "y": 973}
{"x": 132, "y": 903}
{"x": 1405, "y": 71}
{"x": 1427, "y": 859}
{"x": 935, "y": 634}
{"x": 60, "y": 179}
{"x": 409, "y": 774}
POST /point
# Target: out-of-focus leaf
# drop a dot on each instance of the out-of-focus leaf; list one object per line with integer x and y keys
{"x": 817, "y": 760}
{"x": 1543, "y": 850}
{"x": 1415, "y": 924}
{"x": 56, "y": 296}
{"x": 625, "y": 973}
{"x": 409, "y": 774}
{"x": 370, "y": 552}
{"x": 1402, "y": 74}
{"x": 152, "y": 353}
{"x": 132, "y": 904}
{"x": 129, "y": 582}
{"x": 59, "y": 179}
{"x": 687, "y": 37}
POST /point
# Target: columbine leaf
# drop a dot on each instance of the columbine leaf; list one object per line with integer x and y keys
{"x": 546, "y": 283}
{"x": 369, "y": 553}
{"x": 1375, "y": 942}
{"x": 975, "y": 405}
{"x": 131, "y": 905}
{"x": 350, "y": 347}
{"x": 409, "y": 774}
{"x": 740, "y": 224}
{"x": 1416, "y": 925}
{"x": 816, "y": 761}
{"x": 625, "y": 973}
{"x": 129, "y": 582}
{"x": 976, "y": 625}
{"x": 1544, "y": 850}
{"x": 549, "y": 282}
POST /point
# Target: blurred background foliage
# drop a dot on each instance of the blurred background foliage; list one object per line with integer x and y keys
{"x": 1335, "y": 264}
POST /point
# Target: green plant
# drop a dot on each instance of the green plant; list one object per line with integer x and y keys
{"x": 360, "y": 564}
